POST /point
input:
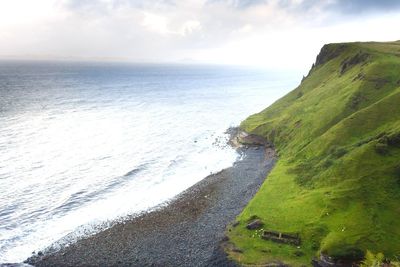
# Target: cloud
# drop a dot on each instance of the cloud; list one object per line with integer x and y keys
{"x": 107, "y": 7}
{"x": 340, "y": 6}
{"x": 241, "y": 4}
{"x": 156, "y": 23}
{"x": 272, "y": 32}
{"x": 356, "y": 6}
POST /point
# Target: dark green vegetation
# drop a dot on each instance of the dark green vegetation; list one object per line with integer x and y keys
{"x": 337, "y": 180}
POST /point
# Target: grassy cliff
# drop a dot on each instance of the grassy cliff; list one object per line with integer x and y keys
{"x": 337, "y": 180}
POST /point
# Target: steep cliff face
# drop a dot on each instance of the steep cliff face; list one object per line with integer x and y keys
{"x": 337, "y": 182}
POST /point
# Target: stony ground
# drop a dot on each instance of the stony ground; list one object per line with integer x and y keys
{"x": 187, "y": 232}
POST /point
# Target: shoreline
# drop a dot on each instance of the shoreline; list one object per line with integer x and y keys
{"x": 187, "y": 231}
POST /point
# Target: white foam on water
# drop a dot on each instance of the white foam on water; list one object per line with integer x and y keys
{"x": 81, "y": 150}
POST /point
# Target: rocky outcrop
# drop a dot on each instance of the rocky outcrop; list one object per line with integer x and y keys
{"x": 328, "y": 52}
{"x": 348, "y": 63}
{"x": 239, "y": 138}
{"x": 256, "y": 224}
{"x": 327, "y": 261}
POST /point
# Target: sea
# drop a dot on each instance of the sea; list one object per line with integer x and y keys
{"x": 84, "y": 145}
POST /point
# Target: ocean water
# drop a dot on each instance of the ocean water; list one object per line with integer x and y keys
{"x": 85, "y": 144}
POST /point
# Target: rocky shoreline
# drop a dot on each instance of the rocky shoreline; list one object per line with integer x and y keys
{"x": 186, "y": 232}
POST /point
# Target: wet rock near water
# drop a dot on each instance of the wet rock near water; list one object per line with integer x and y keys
{"x": 241, "y": 139}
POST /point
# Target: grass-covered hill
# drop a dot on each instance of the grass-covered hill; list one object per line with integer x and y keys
{"x": 337, "y": 180}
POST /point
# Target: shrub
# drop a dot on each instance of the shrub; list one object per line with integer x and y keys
{"x": 394, "y": 139}
{"x": 314, "y": 233}
{"x": 372, "y": 260}
{"x": 299, "y": 94}
{"x": 304, "y": 172}
{"x": 383, "y": 139}
{"x": 381, "y": 148}
{"x": 346, "y": 252}
{"x": 327, "y": 163}
{"x": 397, "y": 173}
{"x": 365, "y": 141}
{"x": 338, "y": 152}
{"x": 303, "y": 180}
{"x": 299, "y": 253}
{"x": 356, "y": 100}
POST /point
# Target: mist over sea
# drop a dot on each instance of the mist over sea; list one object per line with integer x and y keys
{"x": 83, "y": 144}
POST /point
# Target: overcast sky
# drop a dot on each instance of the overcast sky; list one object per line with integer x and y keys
{"x": 273, "y": 33}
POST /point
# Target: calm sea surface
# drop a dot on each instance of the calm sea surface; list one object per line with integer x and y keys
{"x": 86, "y": 144}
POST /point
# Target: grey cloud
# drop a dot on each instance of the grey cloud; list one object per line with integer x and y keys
{"x": 341, "y": 6}
{"x": 355, "y": 6}
{"x": 247, "y": 3}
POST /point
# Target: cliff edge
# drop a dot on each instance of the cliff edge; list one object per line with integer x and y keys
{"x": 336, "y": 185}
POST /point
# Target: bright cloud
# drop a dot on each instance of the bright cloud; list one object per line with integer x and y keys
{"x": 156, "y": 23}
{"x": 275, "y": 33}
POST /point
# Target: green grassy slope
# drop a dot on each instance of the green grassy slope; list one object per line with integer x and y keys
{"x": 337, "y": 180}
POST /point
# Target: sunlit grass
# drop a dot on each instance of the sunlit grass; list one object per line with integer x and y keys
{"x": 337, "y": 181}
